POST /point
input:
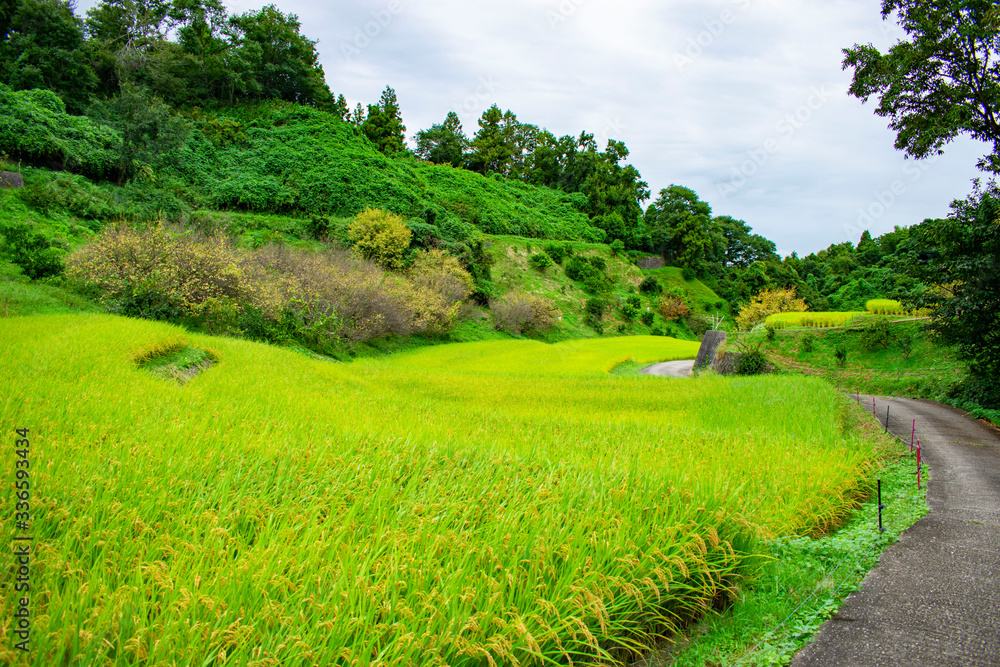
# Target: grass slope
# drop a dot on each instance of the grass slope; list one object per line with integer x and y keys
{"x": 920, "y": 369}
{"x": 504, "y": 501}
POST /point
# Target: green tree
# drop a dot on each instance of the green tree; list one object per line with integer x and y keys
{"x": 42, "y": 46}
{"x": 383, "y": 124}
{"x": 30, "y": 250}
{"x": 680, "y": 226}
{"x": 490, "y": 151}
{"x": 285, "y": 63}
{"x": 942, "y": 82}
{"x": 615, "y": 194}
{"x": 149, "y": 129}
{"x": 127, "y": 39}
{"x": 445, "y": 143}
{"x": 958, "y": 259}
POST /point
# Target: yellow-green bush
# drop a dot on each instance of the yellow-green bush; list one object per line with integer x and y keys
{"x": 323, "y": 299}
{"x": 766, "y": 303}
{"x": 380, "y": 236}
{"x": 158, "y": 274}
{"x": 519, "y": 312}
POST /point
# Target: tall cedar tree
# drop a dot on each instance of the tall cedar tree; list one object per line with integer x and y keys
{"x": 384, "y": 124}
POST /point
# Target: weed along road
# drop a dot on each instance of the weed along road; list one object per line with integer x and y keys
{"x": 934, "y": 598}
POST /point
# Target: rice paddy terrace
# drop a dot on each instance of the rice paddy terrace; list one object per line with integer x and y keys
{"x": 506, "y": 502}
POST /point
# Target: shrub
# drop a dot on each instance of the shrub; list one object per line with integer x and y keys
{"x": 766, "y": 303}
{"x": 37, "y": 129}
{"x": 598, "y": 262}
{"x": 617, "y": 247}
{"x": 556, "y": 252}
{"x": 651, "y": 286}
{"x": 31, "y": 251}
{"x": 905, "y": 341}
{"x": 319, "y": 227}
{"x": 808, "y": 342}
{"x": 325, "y": 300}
{"x": 443, "y": 277}
{"x": 155, "y": 274}
{"x": 585, "y": 272}
{"x": 672, "y": 306}
{"x": 518, "y": 312}
{"x": 629, "y": 312}
{"x": 647, "y": 318}
{"x": 753, "y": 362}
{"x": 840, "y": 354}
{"x": 877, "y": 335}
{"x": 540, "y": 261}
{"x": 380, "y": 236}
{"x": 771, "y": 333}
{"x": 593, "y": 316}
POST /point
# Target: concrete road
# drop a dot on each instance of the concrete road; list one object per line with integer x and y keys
{"x": 934, "y": 598}
{"x": 671, "y": 369}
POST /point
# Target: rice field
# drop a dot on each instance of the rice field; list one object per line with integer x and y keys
{"x": 505, "y": 502}
{"x": 812, "y": 320}
{"x": 885, "y": 307}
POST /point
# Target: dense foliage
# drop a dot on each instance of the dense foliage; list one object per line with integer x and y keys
{"x": 941, "y": 82}
{"x": 958, "y": 260}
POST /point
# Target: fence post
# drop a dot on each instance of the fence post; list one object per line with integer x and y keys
{"x": 918, "y": 464}
{"x": 913, "y": 433}
{"x": 887, "y": 419}
{"x": 880, "y": 507}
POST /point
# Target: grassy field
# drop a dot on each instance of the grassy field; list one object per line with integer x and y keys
{"x": 905, "y": 362}
{"x": 502, "y": 502}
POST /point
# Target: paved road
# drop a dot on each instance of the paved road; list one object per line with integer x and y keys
{"x": 934, "y": 598}
{"x": 671, "y": 369}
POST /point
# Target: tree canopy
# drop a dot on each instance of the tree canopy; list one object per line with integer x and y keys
{"x": 942, "y": 82}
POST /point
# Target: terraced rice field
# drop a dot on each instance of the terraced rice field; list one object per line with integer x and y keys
{"x": 812, "y": 320}
{"x": 475, "y": 504}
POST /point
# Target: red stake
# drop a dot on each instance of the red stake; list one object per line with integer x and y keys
{"x": 918, "y": 464}
{"x": 873, "y": 405}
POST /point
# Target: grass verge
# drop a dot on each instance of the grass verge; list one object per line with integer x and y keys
{"x": 801, "y": 583}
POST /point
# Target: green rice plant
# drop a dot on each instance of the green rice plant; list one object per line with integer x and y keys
{"x": 503, "y": 502}
{"x": 811, "y": 320}
{"x": 885, "y": 307}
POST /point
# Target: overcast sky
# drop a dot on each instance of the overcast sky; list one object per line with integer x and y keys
{"x": 744, "y": 101}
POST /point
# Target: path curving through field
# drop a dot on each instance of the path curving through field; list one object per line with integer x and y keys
{"x": 934, "y": 598}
